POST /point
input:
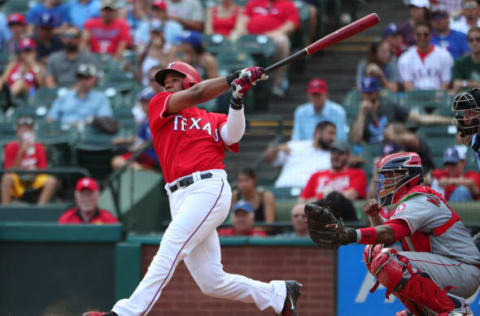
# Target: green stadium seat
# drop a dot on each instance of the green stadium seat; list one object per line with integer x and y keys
{"x": 44, "y": 97}
{"x": 7, "y": 132}
{"x": 16, "y": 6}
{"x": 426, "y": 100}
{"x": 215, "y": 43}
{"x": 260, "y": 47}
{"x": 58, "y": 140}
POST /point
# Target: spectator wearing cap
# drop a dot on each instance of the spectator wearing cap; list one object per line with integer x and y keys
{"x": 466, "y": 70}
{"x": 47, "y": 42}
{"x": 24, "y": 74}
{"x": 277, "y": 19}
{"x": 223, "y": 19}
{"x": 193, "y": 52}
{"x": 350, "y": 182}
{"x": 17, "y": 26}
{"x": 458, "y": 186}
{"x": 26, "y": 154}
{"x": 425, "y": 66}
{"x": 299, "y": 223}
{"x": 391, "y": 34}
{"x": 380, "y": 64}
{"x": 418, "y": 10}
{"x": 147, "y": 159}
{"x": 242, "y": 222}
{"x": 157, "y": 52}
{"x": 374, "y": 116}
{"x": 86, "y": 210}
{"x": 62, "y": 65}
{"x": 262, "y": 200}
{"x": 189, "y": 13}
{"x": 453, "y": 41}
{"x": 81, "y": 103}
{"x": 79, "y": 11}
{"x": 158, "y": 23}
{"x": 107, "y": 34}
{"x": 52, "y": 7}
{"x": 469, "y": 18}
{"x": 319, "y": 109}
{"x": 299, "y": 159}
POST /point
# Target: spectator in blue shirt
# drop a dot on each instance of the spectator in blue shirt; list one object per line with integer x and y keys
{"x": 53, "y": 7}
{"x": 319, "y": 109}
{"x": 453, "y": 41}
{"x": 47, "y": 42}
{"x": 80, "y": 11}
{"x": 171, "y": 29}
{"x": 83, "y": 102}
{"x": 4, "y": 32}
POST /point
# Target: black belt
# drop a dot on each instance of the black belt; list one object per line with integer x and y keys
{"x": 185, "y": 182}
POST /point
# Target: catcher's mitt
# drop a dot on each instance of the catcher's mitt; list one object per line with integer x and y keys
{"x": 325, "y": 229}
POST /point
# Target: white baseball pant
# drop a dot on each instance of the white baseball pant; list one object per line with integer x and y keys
{"x": 197, "y": 211}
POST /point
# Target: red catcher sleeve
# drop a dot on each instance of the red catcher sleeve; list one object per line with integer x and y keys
{"x": 400, "y": 228}
{"x": 290, "y": 13}
{"x": 41, "y": 156}
{"x": 359, "y": 183}
{"x": 10, "y": 153}
{"x": 308, "y": 191}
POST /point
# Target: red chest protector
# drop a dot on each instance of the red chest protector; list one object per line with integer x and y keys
{"x": 420, "y": 241}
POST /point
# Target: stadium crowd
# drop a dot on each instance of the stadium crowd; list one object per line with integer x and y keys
{"x": 86, "y": 68}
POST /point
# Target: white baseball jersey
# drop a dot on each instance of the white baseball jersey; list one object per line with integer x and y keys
{"x": 427, "y": 73}
{"x": 424, "y": 213}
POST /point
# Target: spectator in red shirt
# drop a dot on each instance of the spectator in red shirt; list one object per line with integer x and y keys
{"x": 107, "y": 34}
{"x": 277, "y": 19}
{"x": 87, "y": 210}
{"x": 242, "y": 221}
{"x": 458, "y": 186}
{"x": 26, "y": 154}
{"x": 223, "y": 19}
{"x": 351, "y": 182}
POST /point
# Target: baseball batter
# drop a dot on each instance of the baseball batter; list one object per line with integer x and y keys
{"x": 466, "y": 106}
{"x": 190, "y": 144}
{"x": 437, "y": 266}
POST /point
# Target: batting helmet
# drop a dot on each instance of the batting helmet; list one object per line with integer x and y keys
{"x": 466, "y": 106}
{"x": 407, "y": 172}
{"x": 191, "y": 78}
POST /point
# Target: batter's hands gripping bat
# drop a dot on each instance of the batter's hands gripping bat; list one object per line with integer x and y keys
{"x": 332, "y": 38}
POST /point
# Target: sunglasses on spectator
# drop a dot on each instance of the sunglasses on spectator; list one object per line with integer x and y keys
{"x": 25, "y": 121}
{"x": 422, "y": 34}
{"x": 473, "y": 39}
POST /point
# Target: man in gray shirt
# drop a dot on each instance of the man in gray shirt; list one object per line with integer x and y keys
{"x": 62, "y": 65}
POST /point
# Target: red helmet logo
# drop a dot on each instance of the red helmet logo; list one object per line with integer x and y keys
{"x": 191, "y": 78}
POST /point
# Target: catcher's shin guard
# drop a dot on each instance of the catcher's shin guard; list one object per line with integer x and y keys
{"x": 395, "y": 273}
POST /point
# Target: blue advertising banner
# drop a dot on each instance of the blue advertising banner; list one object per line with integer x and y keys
{"x": 354, "y": 283}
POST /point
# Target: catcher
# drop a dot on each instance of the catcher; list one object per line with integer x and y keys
{"x": 437, "y": 266}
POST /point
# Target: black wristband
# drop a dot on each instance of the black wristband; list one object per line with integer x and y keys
{"x": 234, "y": 75}
{"x": 350, "y": 236}
{"x": 236, "y": 104}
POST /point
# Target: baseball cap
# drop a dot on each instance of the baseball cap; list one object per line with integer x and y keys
{"x": 87, "y": 70}
{"x": 370, "y": 84}
{"x": 420, "y": 3}
{"x": 46, "y": 20}
{"x": 439, "y": 11}
{"x": 244, "y": 206}
{"x": 26, "y": 44}
{"x": 191, "y": 37}
{"x": 16, "y": 18}
{"x": 87, "y": 184}
{"x": 146, "y": 94}
{"x": 341, "y": 146}
{"x": 451, "y": 156}
{"x": 159, "y": 4}
{"x": 317, "y": 86}
{"x": 112, "y": 4}
{"x": 390, "y": 29}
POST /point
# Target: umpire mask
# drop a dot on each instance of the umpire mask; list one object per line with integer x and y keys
{"x": 466, "y": 107}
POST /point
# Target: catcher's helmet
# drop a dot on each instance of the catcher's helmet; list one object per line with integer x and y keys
{"x": 406, "y": 169}
{"x": 191, "y": 78}
{"x": 466, "y": 106}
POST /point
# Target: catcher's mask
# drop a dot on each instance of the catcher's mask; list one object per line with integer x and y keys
{"x": 466, "y": 106}
{"x": 396, "y": 174}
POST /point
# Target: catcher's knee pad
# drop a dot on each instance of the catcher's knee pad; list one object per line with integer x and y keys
{"x": 395, "y": 273}
{"x": 370, "y": 252}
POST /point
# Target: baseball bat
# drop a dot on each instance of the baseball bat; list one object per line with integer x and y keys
{"x": 330, "y": 39}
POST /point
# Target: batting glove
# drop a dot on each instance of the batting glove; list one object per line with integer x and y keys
{"x": 254, "y": 74}
{"x": 240, "y": 86}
